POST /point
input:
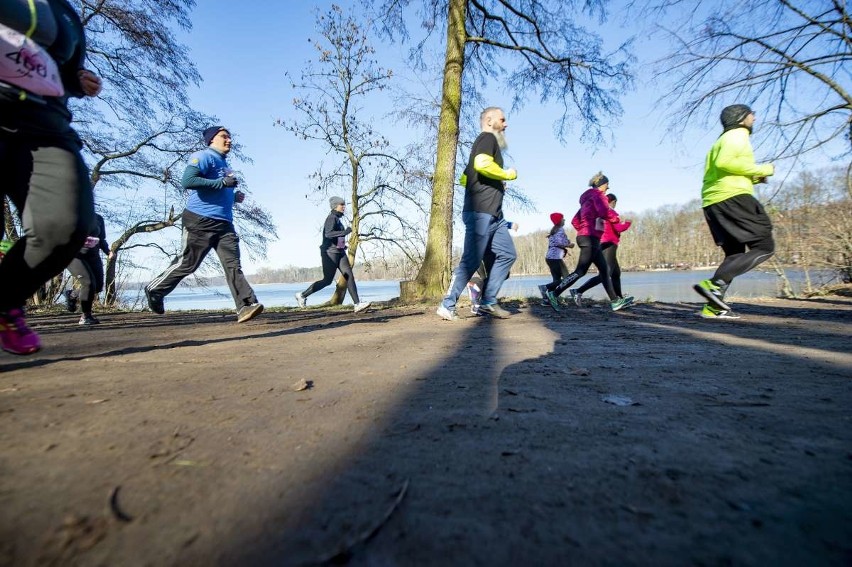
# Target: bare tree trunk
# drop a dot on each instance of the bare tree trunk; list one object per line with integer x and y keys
{"x": 786, "y": 288}
{"x": 110, "y": 291}
{"x": 111, "y": 295}
{"x": 434, "y": 275}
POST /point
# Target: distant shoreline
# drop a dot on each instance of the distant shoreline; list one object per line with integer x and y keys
{"x": 219, "y": 281}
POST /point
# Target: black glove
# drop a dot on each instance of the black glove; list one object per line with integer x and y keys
{"x": 347, "y": 231}
{"x": 229, "y": 181}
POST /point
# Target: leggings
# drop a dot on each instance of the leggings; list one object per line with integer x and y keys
{"x": 558, "y": 270}
{"x": 737, "y": 261}
{"x": 609, "y": 251}
{"x": 333, "y": 260}
{"x": 590, "y": 253}
{"x": 89, "y": 269}
{"x": 48, "y": 183}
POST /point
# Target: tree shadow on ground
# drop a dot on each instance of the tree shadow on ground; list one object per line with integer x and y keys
{"x": 636, "y": 438}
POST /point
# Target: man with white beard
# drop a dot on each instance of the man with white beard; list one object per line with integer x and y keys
{"x": 486, "y": 231}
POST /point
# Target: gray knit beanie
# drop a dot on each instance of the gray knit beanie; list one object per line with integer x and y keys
{"x": 734, "y": 114}
{"x": 334, "y": 201}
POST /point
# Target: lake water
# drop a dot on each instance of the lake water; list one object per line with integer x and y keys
{"x": 669, "y": 286}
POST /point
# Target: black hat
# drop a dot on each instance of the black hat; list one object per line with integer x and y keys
{"x": 210, "y": 133}
{"x": 734, "y": 114}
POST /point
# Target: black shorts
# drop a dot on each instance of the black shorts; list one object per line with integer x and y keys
{"x": 739, "y": 219}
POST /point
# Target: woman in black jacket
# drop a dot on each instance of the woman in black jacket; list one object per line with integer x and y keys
{"x": 333, "y": 254}
{"x": 88, "y": 268}
{"x": 44, "y": 174}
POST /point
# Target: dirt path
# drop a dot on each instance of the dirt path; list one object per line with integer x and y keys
{"x": 180, "y": 440}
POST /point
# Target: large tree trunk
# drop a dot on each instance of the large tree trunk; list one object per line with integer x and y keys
{"x": 434, "y": 275}
{"x": 110, "y": 291}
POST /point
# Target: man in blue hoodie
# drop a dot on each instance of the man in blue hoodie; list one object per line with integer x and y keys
{"x": 208, "y": 224}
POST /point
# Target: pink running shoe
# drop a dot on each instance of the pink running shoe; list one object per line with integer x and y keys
{"x": 15, "y": 336}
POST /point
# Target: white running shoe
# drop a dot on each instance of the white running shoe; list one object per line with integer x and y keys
{"x": 576, "y": 297}
{"x": 362, "y": 306}
{"x": 446, "y": 314}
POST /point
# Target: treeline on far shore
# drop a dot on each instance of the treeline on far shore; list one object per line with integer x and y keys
{"x": 812, "y": 217}
{"x": 812, "y": 220}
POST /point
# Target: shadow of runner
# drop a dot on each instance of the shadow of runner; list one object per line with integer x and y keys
{"x": 440, "y": 439}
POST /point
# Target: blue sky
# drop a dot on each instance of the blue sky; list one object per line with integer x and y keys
{"x": 242, "y": 53}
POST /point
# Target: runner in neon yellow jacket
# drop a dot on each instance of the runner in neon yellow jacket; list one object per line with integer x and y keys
{"x": 730, "y": 169}
{"x": 736, "y": 219}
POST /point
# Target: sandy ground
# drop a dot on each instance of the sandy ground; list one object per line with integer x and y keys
{"x": 645, "y": 437}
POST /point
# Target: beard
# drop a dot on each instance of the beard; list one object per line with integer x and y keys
{"x": 501, "y": 140}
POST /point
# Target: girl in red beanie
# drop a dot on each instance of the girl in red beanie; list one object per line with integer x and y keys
{"x": 557, "y": 246}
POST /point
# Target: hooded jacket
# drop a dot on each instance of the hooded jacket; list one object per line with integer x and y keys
{"x": 593, "y": 205}
{"x": 729, "y": 169}
{"x": 333, "y": 231}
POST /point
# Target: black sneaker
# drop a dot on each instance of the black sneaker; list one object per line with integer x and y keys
{"x": 247, "y": 312}
{"x": 70, "y": 301}
{"x": 155, "y": 302}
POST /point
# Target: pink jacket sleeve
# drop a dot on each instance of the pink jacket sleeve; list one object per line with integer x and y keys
{"x": 620, "y": 227}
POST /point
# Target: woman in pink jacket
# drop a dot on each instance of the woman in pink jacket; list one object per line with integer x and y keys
{"x": 590, "y": 222}
{"x": 609, "y": 249}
